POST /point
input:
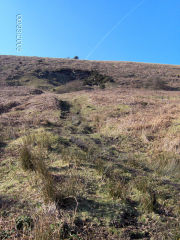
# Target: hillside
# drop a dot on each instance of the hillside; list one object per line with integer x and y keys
{"x": 47, "y": 73}
{"x": 89, "y": 149}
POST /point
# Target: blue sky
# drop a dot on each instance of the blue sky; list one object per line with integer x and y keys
{"x": 131, "y": 30}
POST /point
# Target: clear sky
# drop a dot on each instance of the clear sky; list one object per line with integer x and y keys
{"x": 122, "y": 30}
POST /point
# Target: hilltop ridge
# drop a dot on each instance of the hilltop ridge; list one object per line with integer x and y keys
{"x": 47, "y": 73}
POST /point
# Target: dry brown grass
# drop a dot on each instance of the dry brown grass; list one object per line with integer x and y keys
{"x": 132, "y": 148}
{"x": 124, "y": 73}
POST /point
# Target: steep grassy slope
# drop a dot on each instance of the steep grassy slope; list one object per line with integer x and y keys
{"x": 89, "y": 164}
{"x": 48, "y": 73}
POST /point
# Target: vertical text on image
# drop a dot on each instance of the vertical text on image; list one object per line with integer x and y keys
{"x": 18, "y": 32}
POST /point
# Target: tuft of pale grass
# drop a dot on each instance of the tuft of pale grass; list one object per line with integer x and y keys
{"x": 46, "y": 226}
{"x": 143, "y": 192}
{"x": 166, "y": 163}
{"x": 118, "y": 189}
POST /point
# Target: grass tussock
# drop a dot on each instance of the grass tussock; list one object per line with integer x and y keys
{"x": 27, "y": 159}
{"x": 143, "y": 191}
{"x": 166, "y": 163}
{"x": 118, "y": 190}
{"x": 35, "y": 161}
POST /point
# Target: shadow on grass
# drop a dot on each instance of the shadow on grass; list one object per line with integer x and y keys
{"x": 6, "y": 203}
{"x": 112, "y": 213}
{"x": 168, "y": 88}
{"x": 2, "y": 145}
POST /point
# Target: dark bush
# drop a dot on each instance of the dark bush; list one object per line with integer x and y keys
{"x": 24, "y": 222}
{"x": 6, "y": 107}
{"x": 5, "y": 234}
{"x": 65, "y": 108}
{"x": 97, "y": 79}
